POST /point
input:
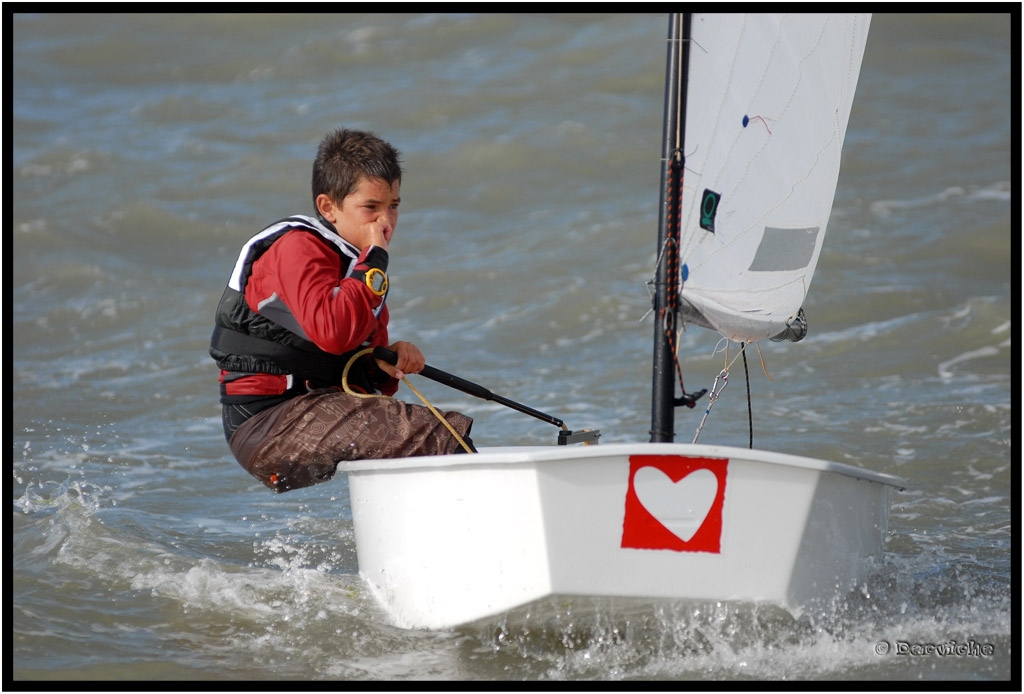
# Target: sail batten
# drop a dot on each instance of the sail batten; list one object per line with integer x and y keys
{"x": 769, "y": 98}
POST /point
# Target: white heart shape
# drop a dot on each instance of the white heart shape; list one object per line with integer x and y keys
{"x": 680, "y": 506}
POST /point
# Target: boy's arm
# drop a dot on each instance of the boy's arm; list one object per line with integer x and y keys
{"x": 303, "y": 273}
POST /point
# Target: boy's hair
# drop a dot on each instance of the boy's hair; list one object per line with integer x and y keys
{"x": 345, "y": 156}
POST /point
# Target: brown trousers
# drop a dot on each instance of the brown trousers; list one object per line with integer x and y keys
{"x": 301, "y": 441}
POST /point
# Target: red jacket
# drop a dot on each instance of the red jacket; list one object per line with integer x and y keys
{"x": 300, "y": 283}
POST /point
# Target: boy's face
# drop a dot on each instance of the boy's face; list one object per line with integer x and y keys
{"x": 368, "y": 215}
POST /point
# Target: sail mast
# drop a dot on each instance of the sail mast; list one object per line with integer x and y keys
{"x": 666, "y": 298}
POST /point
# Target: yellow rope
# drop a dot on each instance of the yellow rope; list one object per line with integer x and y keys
{"x": 764, "y": 367}
{"x": 345, "y": 387}
{"x": 437, "y": 414}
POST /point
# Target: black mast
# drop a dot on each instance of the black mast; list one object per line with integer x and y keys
{"x": 666, "y": 298}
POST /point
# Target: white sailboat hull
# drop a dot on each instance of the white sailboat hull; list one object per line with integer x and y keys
{"x": 448, "y": 540}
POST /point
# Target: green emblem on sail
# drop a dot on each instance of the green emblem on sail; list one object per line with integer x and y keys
{"x": 708, "y": 209}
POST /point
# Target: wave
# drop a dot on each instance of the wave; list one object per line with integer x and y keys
{"x": 999, "y": 191}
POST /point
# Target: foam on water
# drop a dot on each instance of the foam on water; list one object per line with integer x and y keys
{"x": 295, "y": 604}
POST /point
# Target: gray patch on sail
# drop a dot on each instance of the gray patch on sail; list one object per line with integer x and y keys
{"x": 784, "y": 249}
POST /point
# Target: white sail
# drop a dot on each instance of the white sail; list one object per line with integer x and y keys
{"x": 768, "y": 101}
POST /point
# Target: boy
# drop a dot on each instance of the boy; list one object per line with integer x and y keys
{"x": 305, "y": 296}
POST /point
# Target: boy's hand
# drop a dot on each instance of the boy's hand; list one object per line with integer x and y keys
{"x": 410, "y": 360}
{"x": 378, "y": 233}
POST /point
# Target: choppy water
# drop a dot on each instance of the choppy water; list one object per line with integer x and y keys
{"x": 147, "y": 148}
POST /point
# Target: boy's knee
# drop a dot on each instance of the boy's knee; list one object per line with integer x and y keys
{"x": 286, "y": 475}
